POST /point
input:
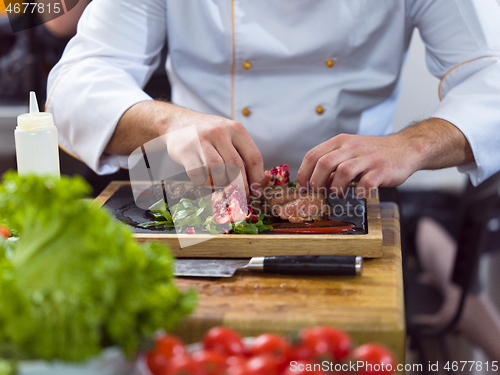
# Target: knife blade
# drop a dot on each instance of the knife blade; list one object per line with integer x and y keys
{"x": 331, "y": 265}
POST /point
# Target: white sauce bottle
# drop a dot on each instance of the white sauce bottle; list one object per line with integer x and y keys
{"x": 37, "y": 150}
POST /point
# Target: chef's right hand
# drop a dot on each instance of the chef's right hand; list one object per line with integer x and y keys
{"x": 222, "y": 141}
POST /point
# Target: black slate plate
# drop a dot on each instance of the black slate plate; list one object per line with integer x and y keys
{"x": 122, "y": 205}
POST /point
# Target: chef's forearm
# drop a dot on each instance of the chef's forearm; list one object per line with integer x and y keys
{"x": 141, "y": 123}
{"x": 435, "y": 144}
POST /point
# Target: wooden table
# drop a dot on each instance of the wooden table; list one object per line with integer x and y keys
{"x": 370, "y": 308}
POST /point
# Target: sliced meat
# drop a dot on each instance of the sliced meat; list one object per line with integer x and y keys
{"x": 270, "y": 197}
{"x": 283, "y": 197}
{"x": 306, "y": 208}
{"x": 291, "y": 205}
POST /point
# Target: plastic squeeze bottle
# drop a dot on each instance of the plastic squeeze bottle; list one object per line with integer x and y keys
{"x": 37, "y": 149}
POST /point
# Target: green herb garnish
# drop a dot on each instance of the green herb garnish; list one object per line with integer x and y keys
{"x": 247, "y": 227}
{"x": 199, "y": 214}
{"x": 162, "y": 215}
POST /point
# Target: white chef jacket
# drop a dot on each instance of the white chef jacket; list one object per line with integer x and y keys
{"x": 294, "y": 72}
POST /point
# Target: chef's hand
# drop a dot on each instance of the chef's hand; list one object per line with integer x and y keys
{"x": 221, "y": 140}
{"x": 383, "y": 161}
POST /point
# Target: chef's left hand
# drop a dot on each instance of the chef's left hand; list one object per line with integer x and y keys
{"x": 383, "y": 161}
{"x": 376, "y": 161}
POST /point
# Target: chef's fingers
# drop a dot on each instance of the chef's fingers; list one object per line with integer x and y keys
{"x": 345, "y": 143}
{"x": 345, "y": 173}
{"x": 330, "y": 179}
{"x": 194, "y": 168}
{"x": 215, "y": 165}
{"x": 326, "y": 164}
{"x": 311, "y": 159}
{"x": 369, "y": 182}
{"x": 234, "y": 166}
{"x": 186, "y": 150}
{"x": 252, "y": 158}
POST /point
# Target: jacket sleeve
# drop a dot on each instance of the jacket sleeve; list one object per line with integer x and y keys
{"x": 462, "y": 39}
{"x": 101, "y": 74}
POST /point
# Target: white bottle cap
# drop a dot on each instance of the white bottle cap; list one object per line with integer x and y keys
{"x": 35, "y": 119}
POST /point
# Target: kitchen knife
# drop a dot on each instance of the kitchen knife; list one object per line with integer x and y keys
{"x": 332, "y": 265}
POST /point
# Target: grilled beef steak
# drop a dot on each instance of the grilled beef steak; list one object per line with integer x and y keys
{"x": 307, "y": 208}
{"x": 291, "y": 205}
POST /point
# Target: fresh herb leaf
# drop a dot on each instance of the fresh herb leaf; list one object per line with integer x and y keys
{"x": 162, "y": 215}
{"x": 157, "y": 225}
{"x": 247, "y": 227}
{"x": 160, "y": 210}
{"x": 211, "y": 226}
{"x": 292, "y": 185}
{"x": 191, "y": 213}
{"x": 199, "y": 214}
{"x": 244, "y": 227}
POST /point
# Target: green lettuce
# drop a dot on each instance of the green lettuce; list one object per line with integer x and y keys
{"x": 76, "y": 281}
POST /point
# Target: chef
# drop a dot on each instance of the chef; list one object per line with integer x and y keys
{"x": 310, "y": 83}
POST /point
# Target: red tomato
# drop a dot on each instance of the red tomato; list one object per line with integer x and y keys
{"x": 303, "y": 368}
{"x": 237, "y": 365}
{"x": 210, "y": 362}
{"x": 325, "y": 342}
{"x": 4, "y": 231}
{"x": 298, "y": 352}
{"x": 339, "y": 340}
{"x": 224, "y": 340}
{"x": 316, "y": 342}
{"x": 157, "y": 362}
{"x": 282, "y": 362}
{"x": 167, "y": 346}
{"x": 236, "y": 360}
{"x": 182, "y": 364}
{"x": 376, "y": 357}
{"x": 269, "y": 343}
{"x": 170, "y": 345}
{"x": 262, "y": 364}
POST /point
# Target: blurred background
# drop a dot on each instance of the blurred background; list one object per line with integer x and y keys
{"x": 26, "y": 58}
{"x": 437, "y": 194}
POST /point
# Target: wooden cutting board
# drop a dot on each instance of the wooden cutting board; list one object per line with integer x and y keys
{"x": 368, "y": 245}
{"x": 370, "y": 308}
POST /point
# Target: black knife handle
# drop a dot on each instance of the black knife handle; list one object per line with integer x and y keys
{"x": 334, "y": 265}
